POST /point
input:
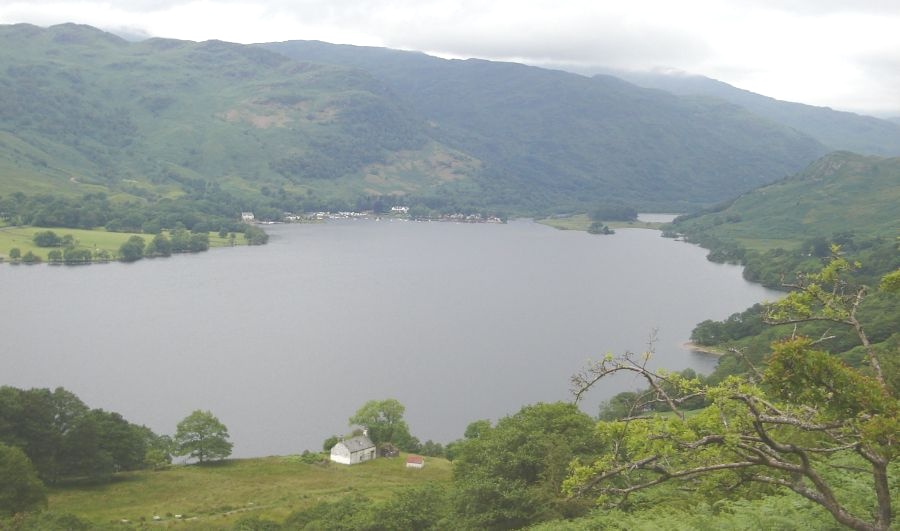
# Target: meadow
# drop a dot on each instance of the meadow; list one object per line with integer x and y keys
{"x": 93, "y": 240}
{"x": 214, "y": 496}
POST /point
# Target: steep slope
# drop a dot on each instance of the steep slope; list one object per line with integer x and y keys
{"x": 552, "y": 136}
{"x": 82, "y": 110}
{"x": 839, "y": 193}
{"x": 836, "y": 129}
{"x": 80, "y": 107}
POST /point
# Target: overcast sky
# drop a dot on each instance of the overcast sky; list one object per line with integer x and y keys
{"x": 844, "y": 54}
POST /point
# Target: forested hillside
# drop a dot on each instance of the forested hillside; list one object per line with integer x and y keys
{"x": 324, "y": 126}
{"x": 838, "y": 130}
{"x": 790, "y": 227}
{"x": 840, "y": 197}
{"x": 82, "y": 110}
{"x": 550, "y": 136}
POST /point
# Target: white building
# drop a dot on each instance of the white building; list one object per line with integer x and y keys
{"x": 354, "y": 450}
{"x": 247, "y": 216}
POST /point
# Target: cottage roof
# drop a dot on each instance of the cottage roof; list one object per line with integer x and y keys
{"x": 415, "y": 460}
{"x": 358, "y": 443}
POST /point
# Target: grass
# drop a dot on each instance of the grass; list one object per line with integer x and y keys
{"x": 215, "y": 496}
{"x": 94, "y": 240}
{"x": 583, "y": 222}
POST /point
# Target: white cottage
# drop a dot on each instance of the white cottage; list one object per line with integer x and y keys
{"x": 354, "y": 450}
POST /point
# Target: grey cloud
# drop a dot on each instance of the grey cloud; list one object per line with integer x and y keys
{"x": 607, "y": 45}
{"x": 826, "y": 7}
{"x": 883, "y": 74}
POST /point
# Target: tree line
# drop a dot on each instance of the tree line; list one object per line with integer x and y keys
{"x": 50, "y": 437}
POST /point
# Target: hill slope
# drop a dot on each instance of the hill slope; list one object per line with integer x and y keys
{"x": 217, "y": 495}
{"x": 560, "y": 136}
{"x": 330, "y": 126}
{"x": 836, "y": 129}
{"x": 838, "y": 193}
{"x": 81, "y": 107}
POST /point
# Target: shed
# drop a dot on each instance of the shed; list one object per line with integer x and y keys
{"x": 415, "y": 461}
{"x": 354, "y": 450}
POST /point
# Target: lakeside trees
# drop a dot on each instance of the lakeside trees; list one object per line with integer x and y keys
{"x": 790, "y": 425}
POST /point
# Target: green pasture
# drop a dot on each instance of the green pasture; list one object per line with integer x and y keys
{"x": 583, "y": 222}
{"x": 214, "y": 496}
{"x": 94, "y": 240}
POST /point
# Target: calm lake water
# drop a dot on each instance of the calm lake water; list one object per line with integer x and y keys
{"x": 284, "y": 342}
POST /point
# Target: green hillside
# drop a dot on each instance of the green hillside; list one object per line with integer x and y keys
{"x": 84, "y": 111}
{"x": 547, "y": 136}
{"x": 319, "y": 126}
{"x": 839, "y": 193}
{"x": 218, "y": 495}
{"x": 836, "y": 129}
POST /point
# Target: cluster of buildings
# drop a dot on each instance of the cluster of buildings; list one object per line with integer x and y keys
{"x": 360, "y": 449}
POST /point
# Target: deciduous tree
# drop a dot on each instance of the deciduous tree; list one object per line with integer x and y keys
{"x": 202, "y": 437}
{"x": 20, "y": 488}
{"x": 384, "y": 421}
{"x": 789, "y": 426}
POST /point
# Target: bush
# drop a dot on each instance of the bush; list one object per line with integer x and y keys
{"x": 46, "y": 238}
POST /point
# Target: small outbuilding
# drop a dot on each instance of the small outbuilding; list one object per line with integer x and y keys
{"x": 354, "y": 450}
{"x": 415, "y": 461}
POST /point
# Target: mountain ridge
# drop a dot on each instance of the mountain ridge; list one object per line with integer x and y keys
{"x": 840, "y": 130}
{"x": 82, "y": 111}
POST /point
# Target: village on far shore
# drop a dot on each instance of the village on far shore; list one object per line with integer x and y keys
{"x": 396, "y": 213}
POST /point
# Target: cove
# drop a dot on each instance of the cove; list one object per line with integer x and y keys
{"x": 284, "y": 342}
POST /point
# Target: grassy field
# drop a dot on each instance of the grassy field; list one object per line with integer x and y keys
{"x": 215, "y": 496}
{"x": 583, "y": 222}
{"x": 94, "y": 240}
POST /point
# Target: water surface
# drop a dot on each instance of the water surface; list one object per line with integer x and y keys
{"x": 284, "y": 342}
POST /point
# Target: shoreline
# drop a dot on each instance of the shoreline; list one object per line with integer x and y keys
{"x": 690, "y": 345}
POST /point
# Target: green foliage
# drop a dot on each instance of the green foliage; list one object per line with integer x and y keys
{"x": 30, "y": 258}
{"x": 255, "y": 523}
{"x": 132, "y": 250}
{"x": 509, "y": 476}
{"x": 329, "y": 443}
{"x": 836, "y": 129}
{"x": 242, "y": 127}
{"x": 384, "y": 420}
{"x": 802, "y": 215}
{"x": 20, "y": 488}
{"x": 203, "y": 437}
{"x": 597, "y": 227}
{"x": 614, "y": 212}
{"x": 418, "y": 508}
{"x": 255, "y": 235}
{"x": 47, "y": 238}
{"x": 891, "y": 282}
{"x": 64, "y": 439}
{"x": 44, "y": 520}
{"x": 551, "y": 140}
{"x": 792, "y": 425}
{"x": 347, "y": 514}
{"x": 736, "y": 326}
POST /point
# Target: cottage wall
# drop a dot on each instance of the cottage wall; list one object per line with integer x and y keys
{"x": 340, "y": 454}
{"x": 363, "y": 455}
